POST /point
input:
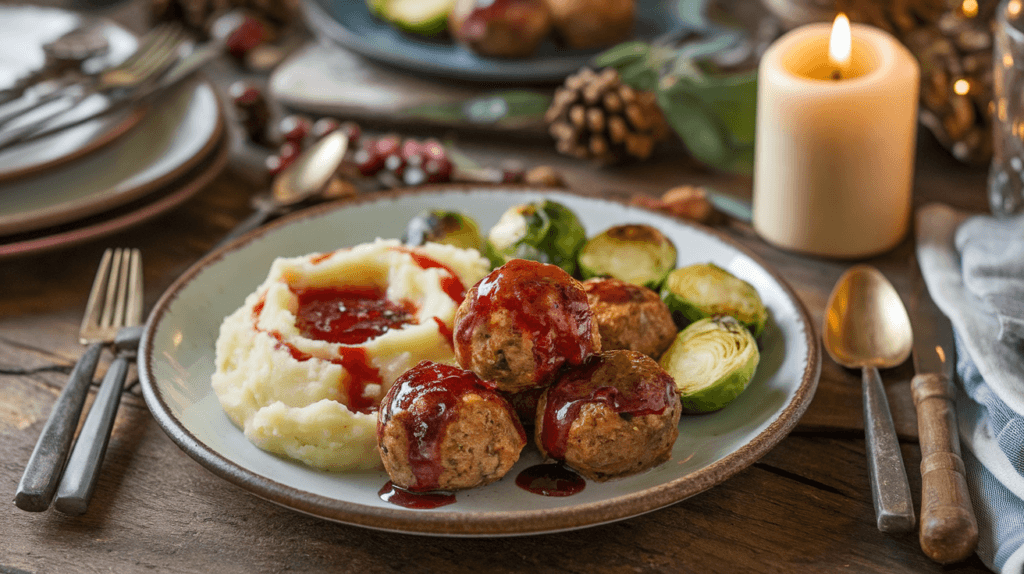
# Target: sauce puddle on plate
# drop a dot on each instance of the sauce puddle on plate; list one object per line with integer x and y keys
{"x": 415, "y": 500}
{"x": 550, "y": 480}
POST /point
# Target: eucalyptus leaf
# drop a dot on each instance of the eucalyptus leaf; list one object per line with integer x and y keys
{"x": 623, "y": 55}
{"x": 701, "y": 131}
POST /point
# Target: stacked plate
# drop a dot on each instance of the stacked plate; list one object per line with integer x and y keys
{"x": 109, "y": 173}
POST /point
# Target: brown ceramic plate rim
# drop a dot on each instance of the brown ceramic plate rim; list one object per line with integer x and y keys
{"x": 64, "y": 212}
{"x": 156, "y": 203}
{"x": 440, "y": 523}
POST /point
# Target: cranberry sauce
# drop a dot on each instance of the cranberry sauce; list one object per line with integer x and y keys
{"x": 425, "y": 400}
{"x": 353, "y": 359}
{"x": 550, "y": 480}
{"x": 451, "y": 284}
{"x": 545, "y": 304}
{"x": 613, "y": 379}
{"x": 348, "y": 315}
{"x": 415, "y": 500}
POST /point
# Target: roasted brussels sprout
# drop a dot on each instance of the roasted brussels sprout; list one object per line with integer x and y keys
{"x": 543, "y": 231}
{"x": 636, "y": 253}
{"x": 706, "y": 290}
{"x": 439, "y": 226}
{"x": 712, "y": 362}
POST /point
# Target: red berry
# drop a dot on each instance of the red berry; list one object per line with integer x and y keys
{"x": 295, "y": 128}
{"x": 438, "y": 171}
{"x": 244, "y": 94}
{"x": 433, "y": 149}
{"x": 387, "y": 145}
{"x": 249, "y": 34}
{"x": 368, "y": 162}
{"x": 410, "y": 149}
{"x": 289, "y": 151}
{"x": 324, "y": 126}
{"x": 276, "y": 164}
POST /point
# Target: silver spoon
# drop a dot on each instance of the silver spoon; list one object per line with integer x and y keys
{"x": 866, "y": 326}
{"x": 311, "y": 174}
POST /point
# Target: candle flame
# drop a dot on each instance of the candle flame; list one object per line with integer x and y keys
{"x": 839, "y": 42}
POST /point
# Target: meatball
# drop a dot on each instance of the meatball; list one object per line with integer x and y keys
{"x": 522, "y": 323}
{"x": 442, "y": 428}
{"x": 630, "y": 317}
{"x": 613, "y": 416}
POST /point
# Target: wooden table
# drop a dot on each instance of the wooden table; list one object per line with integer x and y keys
{"x": 804, "y": 507}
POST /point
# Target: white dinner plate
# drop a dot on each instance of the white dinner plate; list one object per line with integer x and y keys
{"x": 176, "y": 361}
{"x": 176, "y": 134}
{"x": 26, "y": 30}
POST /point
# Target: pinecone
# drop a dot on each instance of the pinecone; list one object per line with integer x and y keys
{"x": 595, "y": 116}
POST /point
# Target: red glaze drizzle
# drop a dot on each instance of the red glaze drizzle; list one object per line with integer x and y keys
{"x": 546, "y": 306}
{"x": 615, "y": 291}
{"x": 426, "y": 396}
{"x": 353, "y": 359}
{"x": 415, "y": 500}
{"x": 450, "y": 284}
{"x": 550, "y": 480}
{"x": 445, "y": 331}
{"x": 348, "y": 315}
{"x": 636, "y": 396}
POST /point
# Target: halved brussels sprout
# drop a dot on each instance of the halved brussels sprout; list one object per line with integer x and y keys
{"x": 635, "y": 253}
{"x": 706, "y": 290}
{"x": 712, "y": 362}
{"x": 439, "y": 226}
{"x": 543, "y": 231}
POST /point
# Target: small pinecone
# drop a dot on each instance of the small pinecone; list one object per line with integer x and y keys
{"x": 595, "y": 116}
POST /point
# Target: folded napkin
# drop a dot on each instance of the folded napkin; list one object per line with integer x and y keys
{"x": 974, "y": 269}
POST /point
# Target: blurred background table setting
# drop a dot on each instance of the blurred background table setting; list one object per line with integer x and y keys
{"x": 738, "y": 128}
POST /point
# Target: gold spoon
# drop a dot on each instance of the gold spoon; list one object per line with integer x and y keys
{"x": 310, "y": 175}
{"x": 867, "y": 327}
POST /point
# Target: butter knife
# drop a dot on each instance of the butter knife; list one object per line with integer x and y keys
{"x": 949, "y": 529}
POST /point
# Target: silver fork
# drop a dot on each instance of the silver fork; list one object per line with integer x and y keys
{"x": 115, "y": 301}
{"x": 157, "y": 51}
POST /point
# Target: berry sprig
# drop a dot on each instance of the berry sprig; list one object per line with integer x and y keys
{"x": 385, "y": 161}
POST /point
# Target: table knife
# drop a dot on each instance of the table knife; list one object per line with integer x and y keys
{"x": 949, "y": 529}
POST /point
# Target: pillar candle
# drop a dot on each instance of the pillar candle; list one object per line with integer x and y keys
{"x": 834, "y": 147}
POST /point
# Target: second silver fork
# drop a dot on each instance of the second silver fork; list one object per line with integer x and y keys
{"x": 114, "y": 301}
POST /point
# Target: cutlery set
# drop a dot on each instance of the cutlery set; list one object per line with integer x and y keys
{"x": 164, "y": 58}
{"x": 867, "y": 326}
{"x": 113, "y": 317}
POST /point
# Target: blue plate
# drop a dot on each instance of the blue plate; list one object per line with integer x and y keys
{"x": 350, "y": 24}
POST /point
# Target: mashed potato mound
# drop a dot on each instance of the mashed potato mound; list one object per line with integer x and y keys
{"x": 314, "y": 400}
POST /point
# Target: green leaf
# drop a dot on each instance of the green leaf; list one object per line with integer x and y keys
{"x": 640, "y": 76}
{"x": 623, "y": 54}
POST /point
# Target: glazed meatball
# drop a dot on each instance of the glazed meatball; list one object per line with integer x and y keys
{"x": 522, "y": 323}
{"x": 613, "y": 416}
{"x": 630, "y": 317}
{"x": 443, "y": 428}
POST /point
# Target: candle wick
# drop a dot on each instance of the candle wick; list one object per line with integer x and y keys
{"x": 837, "y": 75}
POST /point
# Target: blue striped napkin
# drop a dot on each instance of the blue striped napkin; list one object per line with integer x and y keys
{"x": 974, "y": 269}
